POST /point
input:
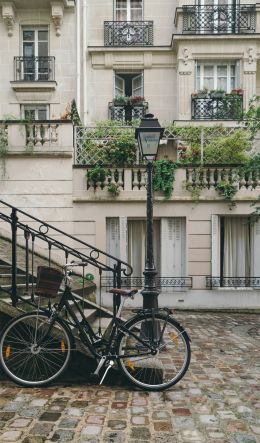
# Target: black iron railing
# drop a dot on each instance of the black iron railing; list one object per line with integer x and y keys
{"x": 36, "y": 236}
{"x": 128, "y": 112}
{"x": 219, "y": 19}
{"x": 232, "y": 282}
{"x": 228, "y": 107}
{"x": 32, "y": 69}
{"x": 162, "y": 283}
{"x": 122, "y": 33}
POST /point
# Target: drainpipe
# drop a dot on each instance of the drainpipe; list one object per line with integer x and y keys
{"x": 84, "y": 59}
{"x": 78, "y": 95}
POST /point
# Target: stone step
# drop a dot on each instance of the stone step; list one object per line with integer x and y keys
{"x": 6, "y": 279}
{"x": 5, "y": 269}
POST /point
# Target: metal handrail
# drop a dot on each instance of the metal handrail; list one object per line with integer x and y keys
{"x": 95, "y": 257}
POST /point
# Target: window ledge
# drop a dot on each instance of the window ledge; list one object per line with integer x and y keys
{"x": 32, "y": 86}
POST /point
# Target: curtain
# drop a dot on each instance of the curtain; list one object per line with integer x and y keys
{"x": 137, "y": 245}
{"x": 237, "y": 247}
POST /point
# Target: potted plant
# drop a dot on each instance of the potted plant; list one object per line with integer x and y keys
{"x": 136, "y": 100}
{"x": 217, "y": 93}
{"x": 237, "y": 91}
{"x": 202, "y": 93}
{"x": 120, "y": 100}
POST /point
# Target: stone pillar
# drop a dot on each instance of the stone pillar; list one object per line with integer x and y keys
{"x": 185, "y": 83}
{"x": 249, "y": 75}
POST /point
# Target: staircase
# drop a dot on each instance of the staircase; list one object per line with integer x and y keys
{"x": 19, "y": 262}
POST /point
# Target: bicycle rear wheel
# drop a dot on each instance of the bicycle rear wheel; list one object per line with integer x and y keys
{"x": 23, "y": 361}
{"x": 164, "y": 366}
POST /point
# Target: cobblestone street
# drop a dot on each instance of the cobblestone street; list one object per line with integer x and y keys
{"x": 216, "y": 402}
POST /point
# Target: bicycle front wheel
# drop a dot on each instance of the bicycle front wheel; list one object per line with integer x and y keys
{"x": 25, "y": 362}
{"x": 154, "y": 352}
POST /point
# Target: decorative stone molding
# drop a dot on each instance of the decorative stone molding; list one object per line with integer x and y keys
{"x": 251, "y": 55}
{"x": 185, "y": 53}
{"x": 185, "y": 72}
{"x": 57, "y": 16}
{"x": 8, "y": 15}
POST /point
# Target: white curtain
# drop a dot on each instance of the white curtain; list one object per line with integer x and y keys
{"x": 137, "y": 244}
{"x": 237, "y": 247}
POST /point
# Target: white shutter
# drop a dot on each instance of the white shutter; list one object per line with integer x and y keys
{"x": 137, "y": 85}
{"x": 215, "y": 247}
{"x": 123, "y": 238}
{"x": 119, "y": 85}
{"x": 173, "y": 247}
{"x": 113, "y": 239}
{"x": 256, "y": 249}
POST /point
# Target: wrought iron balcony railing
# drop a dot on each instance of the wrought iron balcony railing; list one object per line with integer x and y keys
{"x": 228, "y": 107}
{"x": 31, "y": 69}
{"x": 162, "y": 283}
{"x": 232, "y": 282}
{"x": 128, "y": 112}
{"x": 219, "y": 19}
{"x": 128, "y": 33}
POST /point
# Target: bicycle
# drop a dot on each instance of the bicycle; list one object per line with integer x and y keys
{"x": 151, "y": 349}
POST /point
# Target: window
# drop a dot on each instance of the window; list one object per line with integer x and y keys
{"x": 35, "y": 53}
{"x": 126, "y": 239}
{"x": 235, "y": 249}
{"x": 129, "y": 84}
{"x": 128, "y": 10}
{"x": 35, "y": 112}
{"x": 216, "y": 76}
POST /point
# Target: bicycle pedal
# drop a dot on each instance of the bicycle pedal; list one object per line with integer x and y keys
{"x": 94, "y": 377}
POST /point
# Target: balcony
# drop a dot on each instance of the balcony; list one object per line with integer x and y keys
{"x": 228, "y": 107}
{"x": 219, "y": 19}
{"x": 232, "y": 282}
{"x": 34, "y": 69}
{"x": 163, "y": 284}
{"x": 123, "y": 33}
{"x": 127, "y": 112}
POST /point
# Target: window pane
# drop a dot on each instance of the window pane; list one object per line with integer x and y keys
{"x": 121, "y": 15}
{"x": 136, "y": 4}
{"x": 120, "y": 4}
{"x": 28, "y": 35}
{"x": 222, "y": 84}
{"x": 208, "y": 71}
{"x": 42, "y": 114}
{"x": 136, "y": 14}
{"x": 28, "y": 49}
{"x": 42, "y": 49}
{"x": 43, "y": 35}
{"x": 222, "y": 71}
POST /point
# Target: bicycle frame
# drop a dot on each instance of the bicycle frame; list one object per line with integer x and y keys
{"x": 89, "y": 338}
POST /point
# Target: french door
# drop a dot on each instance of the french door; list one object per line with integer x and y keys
{"x": 35, "y": 54}
{"x": 129, "y": 10}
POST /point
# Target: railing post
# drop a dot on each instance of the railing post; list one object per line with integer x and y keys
{"x": 27, "y": 236}
{"x": 14, "y": 220}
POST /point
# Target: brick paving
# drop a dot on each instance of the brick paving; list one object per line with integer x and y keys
{"x": 218, "y": 400}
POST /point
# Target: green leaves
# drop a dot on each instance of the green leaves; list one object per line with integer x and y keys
{"x": 163, "y": 178}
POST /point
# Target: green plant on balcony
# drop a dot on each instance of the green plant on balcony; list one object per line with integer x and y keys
{"x": 251, "y": 118}
{"x": 121, "y": 151}
{"x": 228, "y": 190}
{"x": 97, "y": 174}
{"x": 201, "y": 93}
{"x": 120, "y": 100}
{"x": 113, "y": 188}
{"x": 228, "y": 149}
{"x": 217, "y": 93}
{"x": 164, "y": 176}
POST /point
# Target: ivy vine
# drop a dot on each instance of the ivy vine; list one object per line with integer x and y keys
{"x": 164, "y": 176}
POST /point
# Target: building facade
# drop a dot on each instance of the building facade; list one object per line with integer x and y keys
{"x": 194, "y": 63}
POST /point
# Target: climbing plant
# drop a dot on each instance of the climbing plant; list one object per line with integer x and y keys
{"x": 164, "y": 176}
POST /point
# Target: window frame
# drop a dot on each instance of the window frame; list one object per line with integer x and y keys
{"x": 128, "y": 10}
{"x": 200, "y": 79}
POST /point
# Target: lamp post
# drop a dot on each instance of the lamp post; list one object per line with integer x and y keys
{"x": 148, "y": 136}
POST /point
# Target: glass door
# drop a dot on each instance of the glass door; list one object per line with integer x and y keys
{"x": 35, "y": 54}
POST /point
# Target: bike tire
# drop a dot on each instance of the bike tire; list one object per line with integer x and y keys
{"x": 22, "y": 362}
{"x": 172, "y": 345}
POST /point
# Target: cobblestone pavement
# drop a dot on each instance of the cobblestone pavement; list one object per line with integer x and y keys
{"x": 216, "y": 402}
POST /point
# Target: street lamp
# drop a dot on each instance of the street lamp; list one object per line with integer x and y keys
{"x": 148, "y": 136}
